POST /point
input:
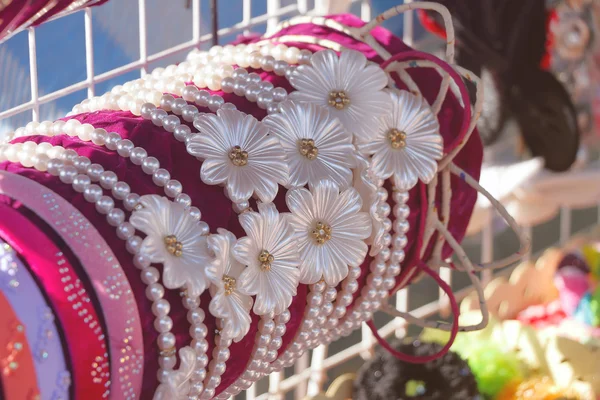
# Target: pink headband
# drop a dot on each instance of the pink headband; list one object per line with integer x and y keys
{"x": 100, "y": 264}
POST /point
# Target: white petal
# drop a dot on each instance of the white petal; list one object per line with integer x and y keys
{"x": 215, "y": 171}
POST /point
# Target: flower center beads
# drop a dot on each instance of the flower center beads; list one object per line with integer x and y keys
{"x": 308, "y": 149}
{"x": 174, "y": 246}
{"x": 339, "y": 99}
{"x": 266, "y": 259}
{"x": 321, "y": 233}
{"x": 229, "y": 284}
{"x": 397, "y": 138}
{"x": 238, "y": 157}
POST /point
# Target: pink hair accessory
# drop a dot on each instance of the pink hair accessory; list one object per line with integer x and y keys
{"x": 100, "y": 264}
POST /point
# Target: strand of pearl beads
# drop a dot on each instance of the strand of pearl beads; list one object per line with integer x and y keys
{"x": 67, "y": 166}
{"x": 132, "y": 95}
{"x": 318, "y": 297}
{"x": 384, "y": 269}
{"x": 124, "y": 147}
{"x": 217, "y": 365}
{"x": 268, "y": 341}
{"x": 240, "y": 55}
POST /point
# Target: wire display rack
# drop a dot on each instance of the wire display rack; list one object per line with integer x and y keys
{"x": 312, "y": 370}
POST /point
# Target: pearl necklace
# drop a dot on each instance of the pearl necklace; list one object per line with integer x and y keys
{"x": 79, "y": 172}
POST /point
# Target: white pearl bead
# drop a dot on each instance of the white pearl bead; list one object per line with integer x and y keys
{"x": 116, "y": 216}
{"x": 401, "y": 226}
{"x": 104, "y": 205}
{"x": 81, "y": 182}
{"x": 400, "y": 197}
{"x": 170, "y": 122}
{"x": 166, "y": 102}
{"x": 279, "y": 94}
{"x": 189, "y": 92}
{"x": 68, "y": 174}
{"x": 137, "y": 155}
{"x": 273, "y": 108}
{"x": 166, "y": 341}
{"x": 108, "y": 179}
{"x": 279, "y": 50}
{"x": 167, "y": 363}
{"x": 99, "y": 136}
{"x": 131, "y": 201}
{"x": 157, "y": 116}
{"x": 264, "y": 98}
{"x": 195, "y": 213}
{"x": 279, "y": 67}
{"x": 227, "y": 84}
{"x": 150, "y": 165}
{"x": 239, "y": 87}
{"x": 125, "y": 231}
{"x": 160, "y": 177}
{"x": 252, "y": 91}
{"x": 188, "y": 112}
{"x": 198, "y": 331}
{"x": 292, "y": 55}
{"x": 134, "y": 244}
{"x": 397, "y": 256}
{"x": 112, "y": 141}
{"x": 120, "y": 190}
{"x": 141, "y": 261}
{"x": 228, "y": 106}
{"x": 155, "y": 292}
{"x": 178, "y": 104}
{"x": 181, "y": 132}
{"x": 92, "y": 193}
{"x": 196, "y": 316}
{"x": 215, "y": 103}
{"x": 183, "y": 199}
{"x": 54, "y": 165}
{"x": 191, "y": 303}
{"x": 267, "y": 63}
{"x": 43, "y": 148}
{"x": 399, "y": 241}
{"x": 163, "y": 324}
{"x": 70, "y": 127}
{"x": 84, "y": 132}
{"x": 304, "y": 57}
{"x": 290, "y": 71}
{"x": 68, "y": 155}
{"x": 124, "y": 147}
{"x": 40, "y": 162}
{"x": 173, "y": 188}
{"x": 239, "y": 73}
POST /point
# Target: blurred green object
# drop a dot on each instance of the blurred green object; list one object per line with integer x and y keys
{"x": 595, "y": 307}
{"x": 493, "y": 367}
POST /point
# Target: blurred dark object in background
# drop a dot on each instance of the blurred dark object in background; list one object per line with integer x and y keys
{"x": 506, "y": 42}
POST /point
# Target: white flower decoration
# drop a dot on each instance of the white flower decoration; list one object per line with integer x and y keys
{"x": 271, "y": 254}
{"x": 348, "y": 85}
{"x": 316, "y": 144}
{"x": 177, "y": 382}
{"x": 407, "y": 144}
{"x": 237, "y": 150}
{"x": 228, "y": 303}
{"x": 331, "y": 231}
{"x": 174, "y": 239}
{"x": 366, "y": 187}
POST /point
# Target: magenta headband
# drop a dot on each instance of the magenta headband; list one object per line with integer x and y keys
{"x": 101, "y": 265}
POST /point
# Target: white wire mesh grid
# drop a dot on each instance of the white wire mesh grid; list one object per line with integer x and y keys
{"x": 310, "y": 373}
